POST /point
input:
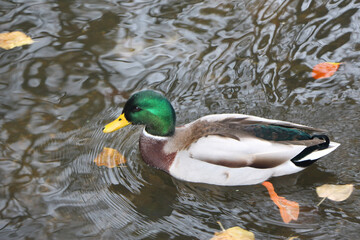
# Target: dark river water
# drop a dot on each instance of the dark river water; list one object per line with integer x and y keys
{"x": 216, "y": 56}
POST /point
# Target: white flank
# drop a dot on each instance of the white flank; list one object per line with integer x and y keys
{"x": 191, "y": 165}
{"x": 246, "y": 150}
{"x": 189, "y": 169}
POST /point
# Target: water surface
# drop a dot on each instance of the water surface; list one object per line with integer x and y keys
{"x": 252, "y": 57}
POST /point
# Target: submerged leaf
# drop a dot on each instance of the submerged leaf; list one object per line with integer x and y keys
{"x": 129, "y": 47}
{"x": 10, "y": 40}
{"x": 234, "y": 233}
{"x": 110, "y": 158}
{"x": 334, "y": 192}
{"x": 289, "y": 210}
{"x": 325, "y": 69}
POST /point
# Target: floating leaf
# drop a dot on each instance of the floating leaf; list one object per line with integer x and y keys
{"x": 325, "y": 69}
{"x": 234, "y": 233}
{"x": 289, "y": 210}
{"x": 110, "y": 158}
{"x": 334, "y": 192}
{"x": 293, "y": 238}
{"x": 10, "y": 40}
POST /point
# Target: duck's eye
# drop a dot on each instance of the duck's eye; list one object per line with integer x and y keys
{"x": 136, "y": 109}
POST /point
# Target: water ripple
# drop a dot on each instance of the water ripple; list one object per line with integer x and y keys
{"x": 207, "y": 57}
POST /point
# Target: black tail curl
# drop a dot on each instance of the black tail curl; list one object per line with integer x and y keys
{"x": 324, "y": 145}
{"x": 308, "y": 150}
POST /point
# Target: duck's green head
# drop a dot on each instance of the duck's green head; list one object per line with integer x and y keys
{"x": 147, "y": 108}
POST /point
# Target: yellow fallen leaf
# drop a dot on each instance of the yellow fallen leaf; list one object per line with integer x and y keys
{"x": 234, "y": 233}
{"x": 110, "y": 158}
{"x": 334, "y": 192}
{"x": 10, "y": 40}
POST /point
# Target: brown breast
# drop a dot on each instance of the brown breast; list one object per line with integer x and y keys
{"x": 152, "y": 152}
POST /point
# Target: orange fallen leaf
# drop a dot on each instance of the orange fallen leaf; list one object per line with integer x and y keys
{"x": 234, "y": 233}
{"x": 11, "y": 40}
{"x": 325, "y": 69}
{"x": 110, "y": 158}
{"x": 289, "y": 210}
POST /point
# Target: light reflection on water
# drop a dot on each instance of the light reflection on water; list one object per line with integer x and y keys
{"x": 253, "y": 57}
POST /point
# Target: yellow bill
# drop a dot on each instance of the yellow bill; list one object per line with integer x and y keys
{"x": 120, "y": 122}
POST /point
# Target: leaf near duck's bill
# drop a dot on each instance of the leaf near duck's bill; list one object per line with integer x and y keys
{"x": 289, "y": 210}
{"x": 324, "y": 70}
{"x": 334, "y": 192}
{"x": 110, "y": 158}
{"x": 11, "y": 40}
{"x": 234, "y": 233}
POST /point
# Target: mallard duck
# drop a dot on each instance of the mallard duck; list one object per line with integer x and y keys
{"x": 220, "y": 149}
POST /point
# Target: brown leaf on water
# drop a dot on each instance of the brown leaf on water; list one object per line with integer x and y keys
{"x": 110, "y": 158}
{"x": 234, "y": 233}
{"x": 325, "y": 69}
{"x": 11, "y": 40}
{"x": 334, "y": 192}
{"x": 289, "y": 210}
